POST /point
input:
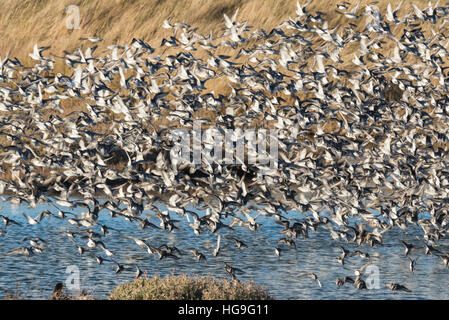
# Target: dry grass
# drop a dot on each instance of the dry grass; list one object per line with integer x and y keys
{"x": 184, "y": 287}
{"x": 30, "y": 21}
{"x": 26, "y": 22}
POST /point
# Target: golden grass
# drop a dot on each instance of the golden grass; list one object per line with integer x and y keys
{"x": 26, "y": 22}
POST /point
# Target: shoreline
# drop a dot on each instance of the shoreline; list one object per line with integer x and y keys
{"x": 169, "y": 285}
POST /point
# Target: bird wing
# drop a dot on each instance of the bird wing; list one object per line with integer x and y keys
{"x": 299, "y": 10}
{"x": 228, "y": 21}
{"x": 305, "y": 275}
{"x": 418, "y": 12}
{"x": 234, "y": 16}
{"x": 20, "y": 250}
{"x": 390, "y": 16}
{"x": 398, "y": 7}
{"x": 218, "y": 242}
{"x": 354, "y": 10}
{"x": 36, "y": 53}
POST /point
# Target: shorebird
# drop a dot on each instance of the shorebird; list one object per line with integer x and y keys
{"x": 92, "y": 39}
{"x": 36, "y": 55}
{"x": 231, "y": 270}
{"x": 30, "y": 220}
{"x": 408, "y": 247}
{"x": 360, "y": 283}
{"x": 7, "y": 221}
{"x": 445, "y": 259}
{"x": 352, "y": 13}
{"x": 397, "y": 287}
{"x": 198, "y": 255}
{"x": 412, "y": 264}
{"x": 36, "y": 241}
{"x": 341, "y": 281}
{"x": 230, "y": 22}
{"x": 80, "y": 249}
{"x": 43, "y": 214}
{"x": 138, "y": 272}
{"x": 217, "y": 248}
{"x": 118, "y": 267}
{"x": 162, "y": 253}
{"x": 26, "y": 251}
{"x": 239, "y": 243}
{"x": 359, "y": 151}
{"x": 312, "y": 276}
{"x": 301, "y": 10}
{"x": 430, "y": 250}
{"x": 288, "y": 242}
{"x": 99, "y": 259}
{"x": 277, "y": 251}
{"x": 139, "y": 242}
{"x": 392, "y": 15}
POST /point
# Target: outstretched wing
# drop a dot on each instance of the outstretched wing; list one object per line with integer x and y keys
{"x": 228, "y": 21}
{"x": 234, "y": 17}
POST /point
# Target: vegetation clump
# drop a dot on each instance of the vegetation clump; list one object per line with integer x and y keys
{"x": 183, "y": 287}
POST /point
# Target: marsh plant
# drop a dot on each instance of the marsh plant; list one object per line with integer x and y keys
{"x": 183, "y": 287}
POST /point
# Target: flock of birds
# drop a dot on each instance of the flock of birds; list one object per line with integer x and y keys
{"x": 362, "y": 136}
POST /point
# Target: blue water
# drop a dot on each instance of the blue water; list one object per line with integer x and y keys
{"x": 36, "y": 275}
